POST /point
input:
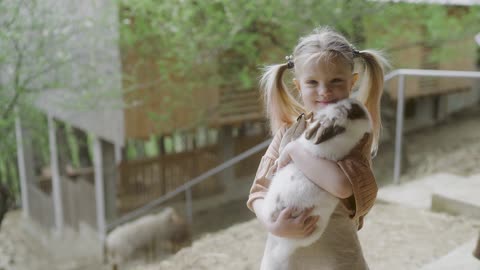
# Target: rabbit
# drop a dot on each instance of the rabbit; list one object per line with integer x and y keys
{"x": 330, "y": 133}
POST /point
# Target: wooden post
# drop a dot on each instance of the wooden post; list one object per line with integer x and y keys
{"x": 227, "y": 151}
{"x": 162, "y": 166}
{"x": 99, "y": 189}
{"x": 56, "y": 179}
{"x": 118, "y": 153}
{"x": 25, "y": 162}
{"x": 105, "y": 183}
{"x": 161, "y": 145}
{"x": 109, "y": 179}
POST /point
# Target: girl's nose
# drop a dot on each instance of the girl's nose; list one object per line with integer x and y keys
{"x": 322, "y": 89}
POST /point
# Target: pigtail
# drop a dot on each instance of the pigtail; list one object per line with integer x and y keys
{"x": 371, "y": 88}
{"x": 280, "y": 106}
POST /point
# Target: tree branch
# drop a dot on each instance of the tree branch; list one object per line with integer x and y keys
{"x": 16, "y": 82}
{"x": 9, "y": 23}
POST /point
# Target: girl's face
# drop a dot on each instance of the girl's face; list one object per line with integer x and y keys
{"x": 321, "y": 83}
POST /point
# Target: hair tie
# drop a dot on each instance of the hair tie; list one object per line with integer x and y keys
{"x": 355, "y": 52}
{"x": 290, "y": 63}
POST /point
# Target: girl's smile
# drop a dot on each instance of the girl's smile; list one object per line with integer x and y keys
{"x": 326, "y": 102}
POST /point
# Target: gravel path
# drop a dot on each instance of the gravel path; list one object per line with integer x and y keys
{"x": 394, "y": 238}
{"x": 19, "y": 250}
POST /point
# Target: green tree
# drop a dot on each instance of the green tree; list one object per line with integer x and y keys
{"x": 221, "y": 44}
{"x": 42, "y": 48}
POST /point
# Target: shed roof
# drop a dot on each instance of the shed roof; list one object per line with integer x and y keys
{"x": 104, "y": 119}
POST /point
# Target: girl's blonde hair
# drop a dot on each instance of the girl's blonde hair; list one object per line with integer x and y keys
{"x": 281, "y": 107}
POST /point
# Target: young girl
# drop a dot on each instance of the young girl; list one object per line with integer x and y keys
{"x": 323, "y": 67}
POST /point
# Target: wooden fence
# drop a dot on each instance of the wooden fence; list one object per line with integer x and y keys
{"x": 142, "y": 181}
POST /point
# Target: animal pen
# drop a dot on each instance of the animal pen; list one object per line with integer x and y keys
{"x": 98, "y": 195}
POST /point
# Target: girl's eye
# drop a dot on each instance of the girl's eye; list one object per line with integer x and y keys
{"x": 337, "y": 80}
{"x": 311, "y": 82}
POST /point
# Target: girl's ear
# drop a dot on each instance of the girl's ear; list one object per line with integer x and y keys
{"x": 297, "y": 84}
{"x": 354, "y": 79}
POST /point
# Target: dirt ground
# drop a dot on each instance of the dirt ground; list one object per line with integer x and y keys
{"x": 394, "y": 238}
{"x": 23, "y": 247}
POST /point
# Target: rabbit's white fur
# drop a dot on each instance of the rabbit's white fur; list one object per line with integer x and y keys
{"x": 290, "y": 188}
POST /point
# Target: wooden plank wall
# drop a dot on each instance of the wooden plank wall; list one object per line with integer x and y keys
{"x": 41, "y": 207}
{"x": 79, "y": 202}
{"x": 418, "y": 57}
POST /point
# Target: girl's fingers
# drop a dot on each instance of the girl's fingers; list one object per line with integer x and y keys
{"x": 304, "y": 215}
{"x": 311, "y": 223}
{"x": 285, "y": 213}
{"x": 310, "y": 230}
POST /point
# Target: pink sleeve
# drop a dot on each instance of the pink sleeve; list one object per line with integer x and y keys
{"x": 265, "y": 169}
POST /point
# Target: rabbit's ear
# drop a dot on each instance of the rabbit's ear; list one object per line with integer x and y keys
{"x": 328, "y": 132}
{"x": 312, "y": 130}
{"x": 356, "y": 111}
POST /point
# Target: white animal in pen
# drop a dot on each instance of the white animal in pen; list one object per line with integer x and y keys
{"x": 342, "y": 125}
{"x": 165, "y": 226}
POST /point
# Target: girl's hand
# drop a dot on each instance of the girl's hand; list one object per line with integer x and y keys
{"x": 293, "y": 227}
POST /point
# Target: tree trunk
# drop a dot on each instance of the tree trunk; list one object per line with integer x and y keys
{"x": 227, "y": 147}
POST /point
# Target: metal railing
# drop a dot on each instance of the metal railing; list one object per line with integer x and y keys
{"x": 401, "y": 73}
{"x": 187, "y": 187}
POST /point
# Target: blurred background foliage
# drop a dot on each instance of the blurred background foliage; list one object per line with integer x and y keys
{"x": 191, "y": 45}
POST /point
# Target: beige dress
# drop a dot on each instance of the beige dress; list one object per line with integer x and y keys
{"x": 339, "y": 247}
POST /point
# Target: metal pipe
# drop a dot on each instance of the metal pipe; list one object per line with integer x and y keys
{"x": 399, "y": 129}
{"x": 434, "y": 73}
{"x": 188, "y": 205}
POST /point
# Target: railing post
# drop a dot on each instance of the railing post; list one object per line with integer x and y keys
{"x": 188, "y": 205}
{"x": 25, "y": 162}
{"x": 99, "y": 189}
{"x": 399, "y": 129}
{"x": 56, "y": 177}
